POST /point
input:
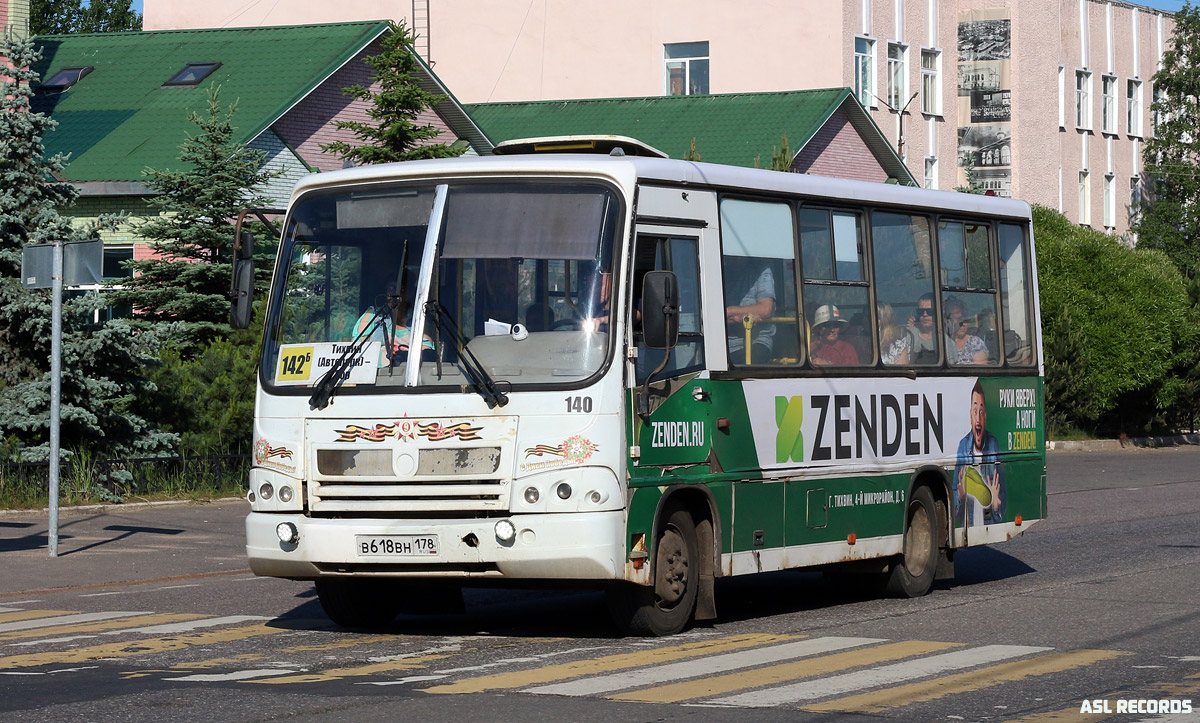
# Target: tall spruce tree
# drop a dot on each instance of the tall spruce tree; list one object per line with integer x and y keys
{"x": 102, "y": 365}
{"x": 393, "y": 134}
{"x": 184, "y": 287}
{"x": 56, "y": 17}
{"x": 1170, "y": 221}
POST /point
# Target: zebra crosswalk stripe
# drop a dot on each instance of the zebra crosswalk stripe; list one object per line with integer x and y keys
{"x": 50, "y": 618}
{"x": 702, "y": 666}
{"x": 927, "y": 690}
{"x": 621, "y": 661}
{"x": 876, "y": 677}
{"x": 759, "y": 677}
{"x": 85, "y": 630}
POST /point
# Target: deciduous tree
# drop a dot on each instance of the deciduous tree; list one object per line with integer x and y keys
{"x": 58, "y": 17}
{"x": 1170, "y": 220}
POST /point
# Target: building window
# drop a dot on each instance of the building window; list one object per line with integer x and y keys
{"x": 931, "y": 81}
{"x": 685, "y": 67}
{"x": 64, "y": 79}
{"x": 1133, "y": 107}
{"x": 192, "y": 74}
{"x": 1085, "y": 204}
{"x": 1135, "y": 198}
{"x": 1108, "y": 106}
{"x": 1157, "y": 116}
{"x": 1083, "y": 96}
{"x": 897, "y": 79}
{"x": 931, "y": 172}
{"x": 1110, "y": 201}
{"x": 864, "y": 71}
{"x": 1062, "y": 89}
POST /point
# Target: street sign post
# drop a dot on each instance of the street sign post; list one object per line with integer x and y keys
{"x": 52, "y": 266}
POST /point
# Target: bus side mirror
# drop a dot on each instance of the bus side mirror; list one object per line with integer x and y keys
{"x": 241, "y": 294}
{"x": 660, "y": 309}
{"x": 243, "y": 250}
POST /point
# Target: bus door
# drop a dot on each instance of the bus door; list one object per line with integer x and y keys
{"x": 672, "y": 428}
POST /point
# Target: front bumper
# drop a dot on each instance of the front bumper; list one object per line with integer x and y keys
{"x": 570, "y": 546}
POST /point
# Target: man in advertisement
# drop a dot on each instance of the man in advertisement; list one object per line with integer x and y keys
{"x": 978, "y": 477}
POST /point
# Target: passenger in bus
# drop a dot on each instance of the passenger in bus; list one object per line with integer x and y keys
{"x": 962, "y": 346}
{"x": 979, "y": 458}
{"x": 757, "y": 304}
{"x": 827, "y": 348}
{"x": 923, "y": 331}
{"x": 895, "y": 341}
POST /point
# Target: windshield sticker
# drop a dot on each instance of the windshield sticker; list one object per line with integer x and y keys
{"x": 433, "y": 431}
{"x": 304, "y": 364}
{"x": 264, "y": 455}
{"x": 575, "y": 450}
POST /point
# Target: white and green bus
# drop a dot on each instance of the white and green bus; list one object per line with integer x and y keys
{"x": 638, "y": 374}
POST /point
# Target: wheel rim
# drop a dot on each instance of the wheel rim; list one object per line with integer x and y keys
{"x": 673, "y": 564}
{"x": 917, "y": 541}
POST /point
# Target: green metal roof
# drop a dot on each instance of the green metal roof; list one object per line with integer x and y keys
{"x": 119, "y": 119}
{"x": 731, "y": 128}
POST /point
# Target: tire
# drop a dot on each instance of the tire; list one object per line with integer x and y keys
{"x": 355, "y": 603}
{"x": 667, "y": 607}
{"x": 913, "y": 572}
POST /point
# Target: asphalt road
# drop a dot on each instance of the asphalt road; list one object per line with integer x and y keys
{"x": 150, "y": 614}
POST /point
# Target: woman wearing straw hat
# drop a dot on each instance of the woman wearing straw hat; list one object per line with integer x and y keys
{"x": 827, "y": 347}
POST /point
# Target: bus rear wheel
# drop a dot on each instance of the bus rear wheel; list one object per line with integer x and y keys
{"x": 667, "y": 607}
{"x": 913, "y": 572}
{"x": 356, "y": 603}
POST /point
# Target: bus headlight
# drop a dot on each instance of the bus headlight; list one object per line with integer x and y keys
{"x": 266, "y": 491}
{"x": 506, "y": 531}
{"x": 532, "y": 495}
{"x": 563, "y": 491}
{"x": 285, "y": 493}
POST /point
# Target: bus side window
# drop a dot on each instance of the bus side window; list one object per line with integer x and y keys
{"x": 968, "y": 293}
{"x": 836, "y": 295}
{"x": 1016, "y": 296}
{"x": 904, "y": 294}
{"x": 758, "y": 269}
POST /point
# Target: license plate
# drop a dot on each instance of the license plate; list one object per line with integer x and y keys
{"x": 393, "y": 545}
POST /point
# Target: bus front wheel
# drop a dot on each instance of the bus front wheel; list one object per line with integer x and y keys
{"x": 912, "y": 574}
{"x": 666, "y": 608}
{"x": 357, "y": 603}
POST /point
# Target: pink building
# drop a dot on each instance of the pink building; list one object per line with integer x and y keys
{"x": 1044, "y": 101}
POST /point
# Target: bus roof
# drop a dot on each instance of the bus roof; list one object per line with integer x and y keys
{"x": 630, "y": 169}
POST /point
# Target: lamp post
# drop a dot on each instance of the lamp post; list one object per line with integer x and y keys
{"x": 900, "y": 112}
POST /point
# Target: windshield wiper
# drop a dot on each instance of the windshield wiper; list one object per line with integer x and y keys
{"x": 327, "y": 385}
{"x": 472, "y": 369}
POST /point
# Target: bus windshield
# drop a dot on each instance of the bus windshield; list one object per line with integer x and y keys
{"x": 522, "y": 274}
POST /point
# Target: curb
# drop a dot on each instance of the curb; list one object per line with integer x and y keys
{"x": 1107, "y": 445}
{"x": 117, "y": 506}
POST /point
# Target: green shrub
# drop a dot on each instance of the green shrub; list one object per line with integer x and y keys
{"x": 209, "y": 400}
{"x": 1119, "y": 328}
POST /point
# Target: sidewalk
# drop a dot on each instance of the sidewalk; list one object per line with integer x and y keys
{"x": 1102, "y": 445}
{"x": 120, "y": 543}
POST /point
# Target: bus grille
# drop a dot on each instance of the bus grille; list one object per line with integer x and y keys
{"x": 430, "y": 496}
